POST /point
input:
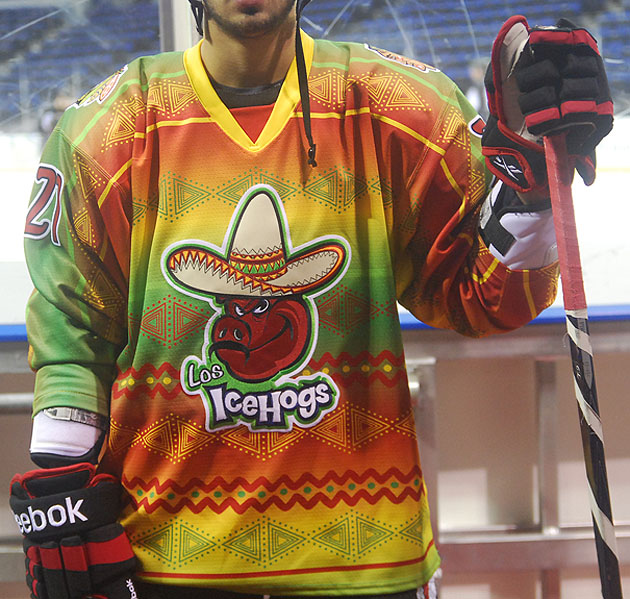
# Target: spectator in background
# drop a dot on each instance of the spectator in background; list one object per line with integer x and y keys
{"x": 51, "y": 113}
{"x": 476, "y": 92}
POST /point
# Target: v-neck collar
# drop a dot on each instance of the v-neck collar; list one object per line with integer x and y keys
{"x": 283, "y": 109}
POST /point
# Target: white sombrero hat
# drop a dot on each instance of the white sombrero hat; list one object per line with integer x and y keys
{"x": 256, "y": 261}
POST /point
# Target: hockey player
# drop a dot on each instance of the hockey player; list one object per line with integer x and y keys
{"x": 218, "y": 239}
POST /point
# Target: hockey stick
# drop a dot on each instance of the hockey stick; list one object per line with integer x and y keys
{"x": 560, "y": 175}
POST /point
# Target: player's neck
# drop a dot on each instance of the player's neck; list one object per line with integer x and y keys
{"x": 249, "y": 62}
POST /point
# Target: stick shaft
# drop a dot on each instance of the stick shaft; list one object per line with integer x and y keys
{"x": 560, "y": 176}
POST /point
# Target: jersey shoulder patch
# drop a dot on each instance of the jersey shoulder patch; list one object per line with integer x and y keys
{"x": 408, "y": 62}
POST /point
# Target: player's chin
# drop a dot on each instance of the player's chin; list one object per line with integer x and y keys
{"x": 256, "y": 26}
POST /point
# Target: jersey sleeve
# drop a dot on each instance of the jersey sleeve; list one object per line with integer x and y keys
{"x": 445, "y": 274}
{"x": 77, "y": 251}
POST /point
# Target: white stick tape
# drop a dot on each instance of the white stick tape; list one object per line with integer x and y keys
{"x": 605, "y": 526}
{"x": 591, "y": 417}
{"x": 580, "y": 338}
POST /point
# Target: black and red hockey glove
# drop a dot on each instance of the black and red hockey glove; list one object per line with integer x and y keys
{"x": 541, "y": 81}
{"x": 74, "y": 546}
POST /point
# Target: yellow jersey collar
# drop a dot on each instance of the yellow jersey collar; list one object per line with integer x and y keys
{"x": 283, "y": 109}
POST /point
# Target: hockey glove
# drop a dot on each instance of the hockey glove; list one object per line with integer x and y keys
{"x": 74, "y": 546}
{"x": 541, "y": 81}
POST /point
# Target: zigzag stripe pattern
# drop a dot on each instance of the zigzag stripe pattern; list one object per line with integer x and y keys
{"x": 363, "y": 368}
{"x": 152, "y": 380}
{"x": 164, "y": 380}
{"x": 358, "y": 359}
{"x": 285, "y": 506}
{"x": 307, "y": 478}
{"x": 283, "y": 493}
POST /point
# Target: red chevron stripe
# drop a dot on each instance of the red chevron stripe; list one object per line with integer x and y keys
{"x": 284, "y": 481}
{"x": 361, "y": 379}
{"x": 152, "y": 391}
{"x": 327, "y": 359}
{"x": 261, "y": 507}
{"x": 151, "y": 369}
{"x": 267, "y": 573}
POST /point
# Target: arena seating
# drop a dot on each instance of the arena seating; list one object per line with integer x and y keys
{"x": 45, "y": 52}
{"x": 56, "y": 53}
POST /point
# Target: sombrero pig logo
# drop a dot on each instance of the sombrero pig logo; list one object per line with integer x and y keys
{"x": 265, "y": 327}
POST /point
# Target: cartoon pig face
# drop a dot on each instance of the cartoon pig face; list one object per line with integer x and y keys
{"x": 256, "y": 338}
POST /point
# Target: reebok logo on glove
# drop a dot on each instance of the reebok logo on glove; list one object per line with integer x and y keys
{"x": 510, "y": 166}
{"x": 131, "y": 589}
{"x": 35, "y": 520}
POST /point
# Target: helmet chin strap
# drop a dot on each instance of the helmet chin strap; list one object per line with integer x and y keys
{"x": 303, "y": 83}
{"x": 197, "y": 8}
{"x": 198, "y": 12}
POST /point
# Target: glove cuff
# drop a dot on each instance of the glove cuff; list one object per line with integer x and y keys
{"x": 518, "y": 162}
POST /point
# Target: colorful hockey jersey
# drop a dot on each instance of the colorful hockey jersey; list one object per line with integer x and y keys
{"x": 234, "y": 310}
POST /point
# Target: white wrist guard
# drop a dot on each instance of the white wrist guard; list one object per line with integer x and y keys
{"x": 66, "y": 433}
{"x": 521, "y": 236}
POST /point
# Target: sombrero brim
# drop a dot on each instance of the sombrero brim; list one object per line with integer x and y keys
{"x": 202, "y": 270}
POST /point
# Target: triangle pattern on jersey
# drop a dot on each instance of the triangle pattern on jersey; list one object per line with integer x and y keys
{"x": 404, "y": 96}
{"x": 340, "y": 85}
{"x": 455, "y": 129}
{"x": 282, "y": 540}
{"x": 325, "y": 188}
{"x": 139, "y": 209}
{"x": 285, "y": 191}
{"x": 232, "y": 193}
{"x": 90, "y": 179}
{"x": 122, "y": 128}
{"x": 133, "y": 106}
{"x": 165, "y": 192}
{"x": 414, "y": 531}
{"x": 186, "y": 195}
{"x": 329, "y": 310}
{"x": 154, "y": 321}
{"x": 120, "y": 438}
{"x": 391, "y": 309}
{"x": 384, "y": 189}
{"x": 365, "y": 427}
{"x": 102, "y": 293}
{"x": 277, "y": 440}
{"x": 320, "y": 87}
{"x": 358, "y": 310}
{"x": 247, "y": 543}
{"x": 191, "y": 543}
{"x": 190, "y": 438}
{"x": 333, "y": 428}
{"x": 83, "y": 226}
{"x": 407, "y": 424}
{"x": 353, "y": 188}
{"x": 377, "y": 87}
{"x": 179, "y": 95}
{"x": 336, "y": 536}
{"x": 159, "y": 542}
{"x": 477, "y": 185}
{"x": 186, "y": 320}
{"x": 243, "y": 438}
{"x": 159, "y": 438}
{"x": 155, "y": 98}
{"x": 370, "y": 534}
